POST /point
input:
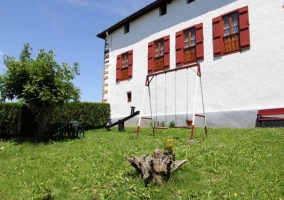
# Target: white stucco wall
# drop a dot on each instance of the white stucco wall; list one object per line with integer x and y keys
{"x": 234, "y": 86}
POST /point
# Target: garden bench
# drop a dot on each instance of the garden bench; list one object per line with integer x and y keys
{"x": 270, "y": 115}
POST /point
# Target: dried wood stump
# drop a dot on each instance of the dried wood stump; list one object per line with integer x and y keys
{"x": 157, "y": 168}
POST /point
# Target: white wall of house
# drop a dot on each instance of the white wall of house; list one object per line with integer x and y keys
{"x": 234, "y": 86}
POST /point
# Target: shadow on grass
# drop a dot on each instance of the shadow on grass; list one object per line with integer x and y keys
{"x": 35, "y": 140}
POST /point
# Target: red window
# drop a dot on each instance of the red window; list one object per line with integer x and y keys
{"x": 124, "y": 66}
{"x": 159, "y": 54}
{"x": 189, "y": 45}
{"x": 231, "y": 32}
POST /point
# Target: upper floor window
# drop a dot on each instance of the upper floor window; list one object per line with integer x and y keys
{"x": 124, "y": 66}
{"x": 125, "y": 60}
{"x": 158, "y": 54}
{"x": 126, "y": 28}
{"x": 189, "y": 45}
{"x": 159, "y": 48}
{"x": 163, "y": 9}
{"x": 231, "y": 32}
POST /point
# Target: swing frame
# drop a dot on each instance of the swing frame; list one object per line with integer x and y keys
{"x": 150, "y": 77}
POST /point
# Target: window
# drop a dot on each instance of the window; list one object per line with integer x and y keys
{"x": 231, "y": 32}
{"x": 158, "y": 54}
{"x": 128, "y": 96}
{"x": 124, "y": 69}
{"x": 126, "y": 28}
{"x": 189, "y": 1}
{"x": 124, "y": 66}
{"x": 189, "y": 45}
{"x": 163, "y": 9}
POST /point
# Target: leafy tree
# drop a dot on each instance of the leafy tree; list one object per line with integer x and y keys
{"x": 41, "y": 82}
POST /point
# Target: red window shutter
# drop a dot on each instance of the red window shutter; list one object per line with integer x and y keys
{"x": 151, "y": 55}
{"x": 199, "y": 42}
{"x": 130, "y": 63}
{"x": 244, "y": 28}
{"x": 118, "y": 67}
{"x": 218, "y": 36}
{"x": 167, "y": 51}
{"x": 179, "y": 47}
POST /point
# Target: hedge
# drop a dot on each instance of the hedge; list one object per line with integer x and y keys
{"x": 18, "y": 119}
{"x": 94, "y": 114}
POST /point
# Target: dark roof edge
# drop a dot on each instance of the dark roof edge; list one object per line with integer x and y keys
{"x": 133, "y": 16}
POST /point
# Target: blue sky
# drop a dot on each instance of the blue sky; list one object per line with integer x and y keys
{"x": 69, "y": 28}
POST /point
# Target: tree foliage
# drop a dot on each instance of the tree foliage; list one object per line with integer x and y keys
{"x": 38, "y": 80}
{"x": 41, "y": 82}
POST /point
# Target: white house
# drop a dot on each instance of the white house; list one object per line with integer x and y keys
{"x": 239, "y": 45}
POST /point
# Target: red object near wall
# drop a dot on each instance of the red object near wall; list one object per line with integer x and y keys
{"x": 130, "y": 63}
{"x": 218, "y": 36}
{"x": 244, "y": 28}
{"x": 179, "y": 47}
{"x": 199, "y": 42}
{"x": 166, "y": 51}
{"x": 118, "y": 67}
{"x": 151, "y": 56}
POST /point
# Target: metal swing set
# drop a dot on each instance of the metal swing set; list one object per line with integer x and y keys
{"x": 149, "y": 79}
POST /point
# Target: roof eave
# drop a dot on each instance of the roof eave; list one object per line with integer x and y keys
{"x": 132, "y": 17}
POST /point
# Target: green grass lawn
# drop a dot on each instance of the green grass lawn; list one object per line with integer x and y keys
{"x": 228, "y": 164}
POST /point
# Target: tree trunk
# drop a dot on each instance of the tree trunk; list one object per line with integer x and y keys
{"x": 42, "y": 120}
{"x": 157, "y": 168}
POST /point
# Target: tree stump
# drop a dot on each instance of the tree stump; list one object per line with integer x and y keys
{"x": 157, "y": 168}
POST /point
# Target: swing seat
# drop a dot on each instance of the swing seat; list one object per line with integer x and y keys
{"x": 160, "y": 127}
{"x": 146, "y": 118}
{"x": 189, "y": 127}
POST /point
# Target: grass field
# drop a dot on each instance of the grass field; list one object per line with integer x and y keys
{"x": 228, "y": 164}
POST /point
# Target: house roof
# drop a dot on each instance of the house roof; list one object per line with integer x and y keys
{"x": 133, "y": 16}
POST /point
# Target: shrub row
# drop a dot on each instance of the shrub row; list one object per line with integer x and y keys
{"x": 94, "y": 114}
{"x": 18, "y": 120}
{"x": 11, "y": 122}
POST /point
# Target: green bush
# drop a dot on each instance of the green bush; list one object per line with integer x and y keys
{"x": 12, "y": 118}
{"x": 172, "y": 124}
{"x": 94, "y": 114}
{"x": 17, "y": 119}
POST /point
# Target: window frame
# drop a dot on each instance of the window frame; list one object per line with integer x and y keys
{"x": 190, "y": 47}
{"x": 199, "y": 45}
{"x": 160, "y": 48}
{"x": 153, "y": 64}
{"x": 243, "y": 29}
{"x": 124, "y": 72}
{"x": 231, "y": 33}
